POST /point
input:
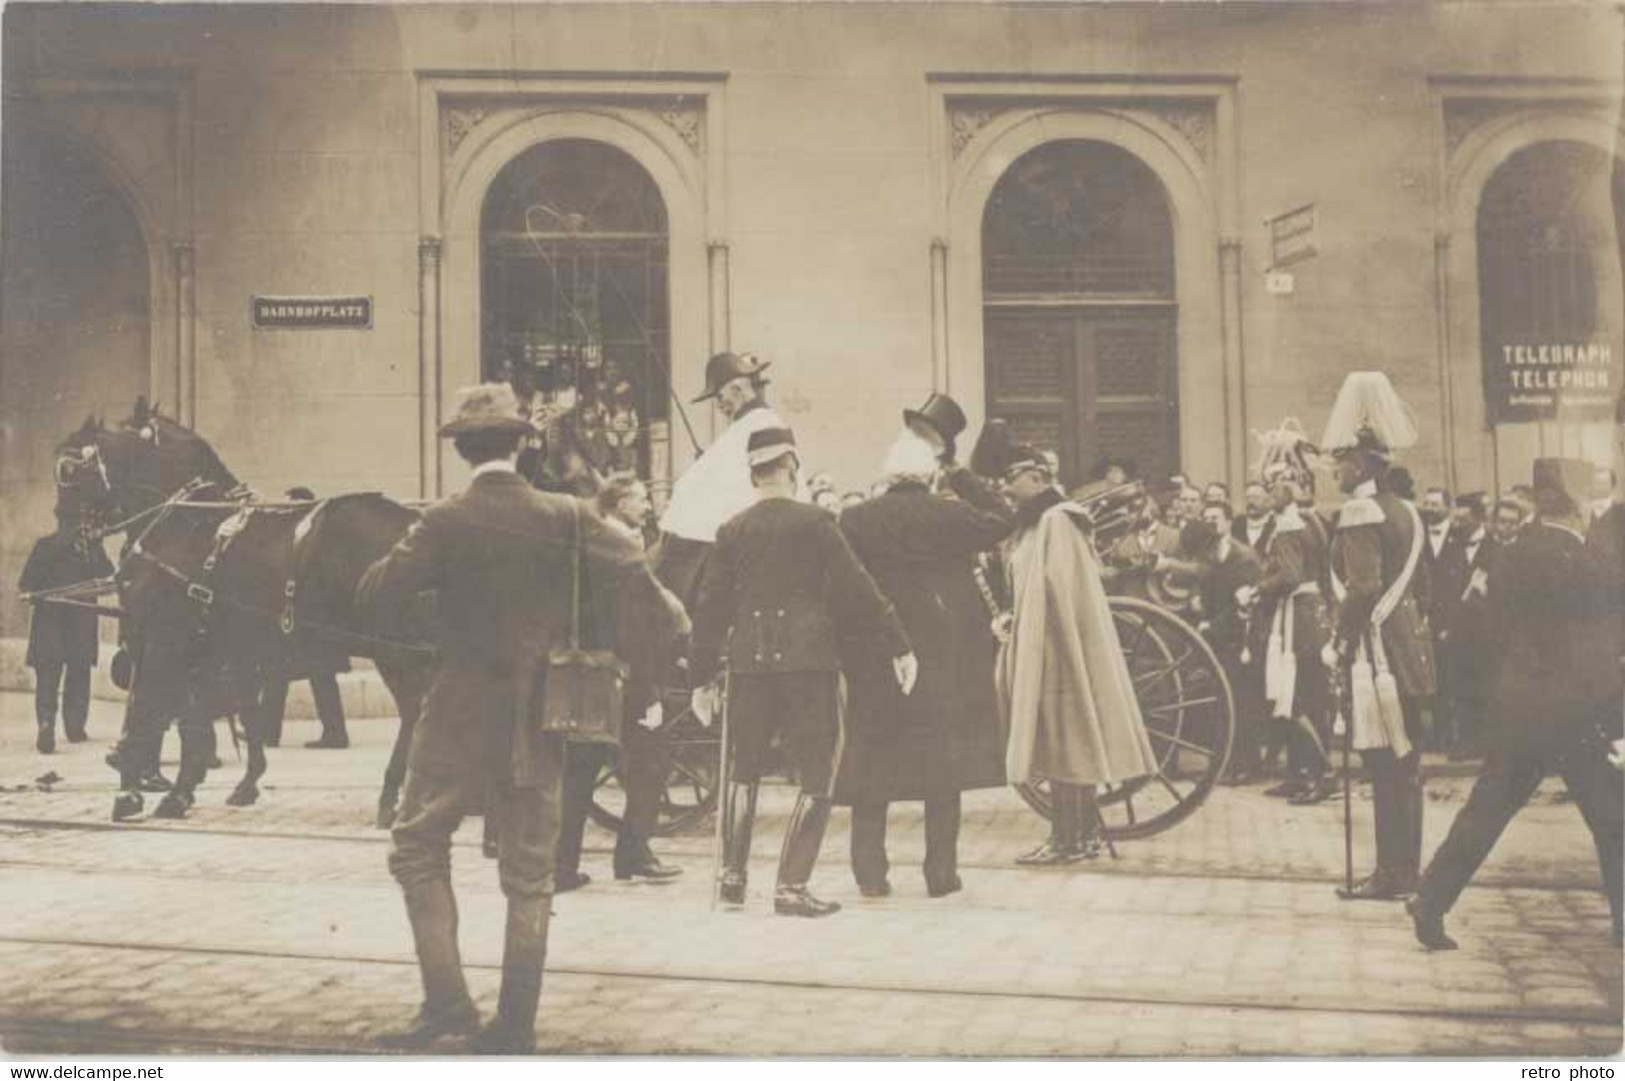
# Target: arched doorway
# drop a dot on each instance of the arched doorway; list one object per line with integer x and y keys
{"x": 75, "y": 315}
{"x": 574, "y": 254}
{"x": 1079, "y": 311}
{"x": 1551, "y": 303}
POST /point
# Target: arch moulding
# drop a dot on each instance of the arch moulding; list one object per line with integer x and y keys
{"x": 1208, "y": 365}
{"x": 462, "y": 160}
{"x": 1477, "y": 454}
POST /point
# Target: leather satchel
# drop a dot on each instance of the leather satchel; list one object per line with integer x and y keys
{"x": 584, "y": 694}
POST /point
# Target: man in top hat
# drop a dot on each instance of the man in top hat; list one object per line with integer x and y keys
{"x": 1063, "y": 685}
{"x": 1557, "y": 615}
{"x": 499, "y": 555}
{"x": 717, "y": 485}
{"x": 783, "y": 593}
{"x": 939, "y": 422}
{"x": 1382, "y": 647}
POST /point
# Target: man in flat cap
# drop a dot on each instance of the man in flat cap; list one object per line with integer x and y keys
{"x": 717, "y": 485}
{"x": 499, "y": 555}
{"x": 782, "y": 593}
{"x": 1556, "y": 617}
{"x": 1382, "y": 648}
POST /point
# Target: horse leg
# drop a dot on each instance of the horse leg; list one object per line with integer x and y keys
{"x": 247, "y": 792}
{"x": 408, "y": 699}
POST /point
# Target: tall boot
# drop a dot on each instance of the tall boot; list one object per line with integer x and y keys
{"x": 738, "y": 821}
{"x": 447, "y": 1009}
{"x": 513, "y": 1030}
{"x": 802, "y": 839}
{"x": 1089, "y": 825}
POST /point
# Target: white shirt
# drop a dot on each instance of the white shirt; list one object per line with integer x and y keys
{"x": 717, "y": 486}
{"x": 1437, "y": 535}
{"x": 1472, "y": 544}
{"x": 1255, "y": 529}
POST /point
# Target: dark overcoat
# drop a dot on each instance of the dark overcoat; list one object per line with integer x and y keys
{"x": 946, "y": 736}
{"x": 1463, "y": 631}
{"x": 61, "y": 633}
{"x": 499, "y": 557}
{"x": 1556, "y": 622}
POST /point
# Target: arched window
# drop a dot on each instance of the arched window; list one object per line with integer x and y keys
{"x": 1079, "y": 308}
{"x": 1550, "y": 301}
{"x": 574, "y": 255}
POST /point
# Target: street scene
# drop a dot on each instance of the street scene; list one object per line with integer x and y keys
{"x": 275, "y": 929}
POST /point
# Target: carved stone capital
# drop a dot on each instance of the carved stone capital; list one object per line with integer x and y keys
{"x": 459, "y": 121}
{"x": 688, "y": 121}
{"x": 964, "y": 121}
{"x": 429, "y": 248}
{"x": 1193, "y": 120}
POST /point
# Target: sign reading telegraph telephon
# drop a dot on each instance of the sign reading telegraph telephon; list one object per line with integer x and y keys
{"x": 1551, "y": 380}
{"x": 291, "y": 313}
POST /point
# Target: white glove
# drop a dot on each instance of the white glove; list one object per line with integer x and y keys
{"x": 1004, "y": 626}
{"x": 907, "y": 670}
{"x": 653, "y": 717}
{"x": 1616, "y": 754}
{"x": 705, "y": 702}
{"x": 1329, "y": 656}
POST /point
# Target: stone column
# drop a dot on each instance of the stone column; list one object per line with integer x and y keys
{"x": 185, "y": 333}
{"x": 721, "y": 329}
{"x": 1447, "y": 377}
{"x": 939, "y": 316}
{"x": 429, "y": 389}
{"x": 1235, "y": 368}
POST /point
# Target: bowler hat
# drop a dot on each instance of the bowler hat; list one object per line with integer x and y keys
{"x": 486, "y": 407}
{"x": 770, "y": 444}
{"x": 940, "y": 412}
{"x": 724, "y": 368}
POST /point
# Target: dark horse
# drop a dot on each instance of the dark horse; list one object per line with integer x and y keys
{"x": 224, "y": 596}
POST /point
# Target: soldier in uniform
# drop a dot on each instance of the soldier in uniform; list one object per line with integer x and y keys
{"x": 944, "y": 737}
{"x": 1556, "y": 612}
{"x": 782, "y": 590}
{"x": 1292, "y": 605}
{"x": 1382, "y": 646}
{"x": 499, "y": 555}
{"x": 61, "y": 638}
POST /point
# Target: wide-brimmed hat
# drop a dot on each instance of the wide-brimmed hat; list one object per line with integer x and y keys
{"x": 770, "y": 444}
{"x": 940, "y": 412}
{"x": 724, "y": 368}
{"x": 486, "y": 407}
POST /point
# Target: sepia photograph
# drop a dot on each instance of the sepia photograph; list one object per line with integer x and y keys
{"x": 780, "y": 531}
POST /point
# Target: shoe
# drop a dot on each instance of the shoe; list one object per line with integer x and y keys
{"x": 1049, "y": 854}
{"x": 566, "y": 881}
{"x": 1286, "y": 790}
{"x": 1319, "y": 792}
{"x": 1429, "y": 928}
{"x": 126, "y": 806}
{"x": 875, "y": 889}
{"x": 45, "y": 740}
{"x": 1376, "y": 887}
{"x": 944, "y": 888}
{"x": 461, "y": 1020}
{"x": 1087, "y": 849}
{"x": 339, "y": 742}
{"x": 731, "y": 888}
{"x": 173, "y": 805}
{"x": 799, "y": 901}
{"x": 77, "y": 735}
{"x": 649, "y": 867}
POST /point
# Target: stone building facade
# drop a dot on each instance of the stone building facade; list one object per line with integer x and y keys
{"x": 1135, "y": 230}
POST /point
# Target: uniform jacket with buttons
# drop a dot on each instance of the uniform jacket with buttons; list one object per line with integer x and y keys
{"x": 1375, "y": 531}
{"x": 782, "y": 590}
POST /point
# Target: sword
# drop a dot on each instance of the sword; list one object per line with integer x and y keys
{"x": 1342, "y": 727}
{"x": 722, "y": 798}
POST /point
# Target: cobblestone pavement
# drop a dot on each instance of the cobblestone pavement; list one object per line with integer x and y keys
{"x": 276, "y": 928}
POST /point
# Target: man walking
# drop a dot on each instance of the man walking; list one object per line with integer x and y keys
{"x": 1556, "y": 610}
{"x": 499, "y": 556}
{"x": 1064, "y": 687}
{"x": 782, "y": 592}
{"x": 1382, "y": 645}
{"x": 944, "y": 738}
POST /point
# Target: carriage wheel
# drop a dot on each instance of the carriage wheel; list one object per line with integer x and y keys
{"x": 690, "y": 792}
{"x": 1189, "y": 716}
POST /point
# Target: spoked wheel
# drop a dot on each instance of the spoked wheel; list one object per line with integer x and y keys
{"x": 689, "y": 753}
{"x": 1189, "y": 716}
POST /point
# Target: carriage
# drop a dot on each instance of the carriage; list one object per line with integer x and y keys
{"x": 123, "y": 474}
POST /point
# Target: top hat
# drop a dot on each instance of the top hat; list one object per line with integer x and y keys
{"x": 486, "y": 407}
{"x": 770, "y": 444}
{"x": 724, "y": 368}
{"x": 1569, "y": 477}
{"x": 940, "y": 412}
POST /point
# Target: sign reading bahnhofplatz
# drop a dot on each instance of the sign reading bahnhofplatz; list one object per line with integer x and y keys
{"x": 295, "y": 313}
{"x": 1526, "y": 381}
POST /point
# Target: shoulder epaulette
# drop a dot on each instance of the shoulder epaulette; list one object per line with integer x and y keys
{"x": 1361, "y": 511}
